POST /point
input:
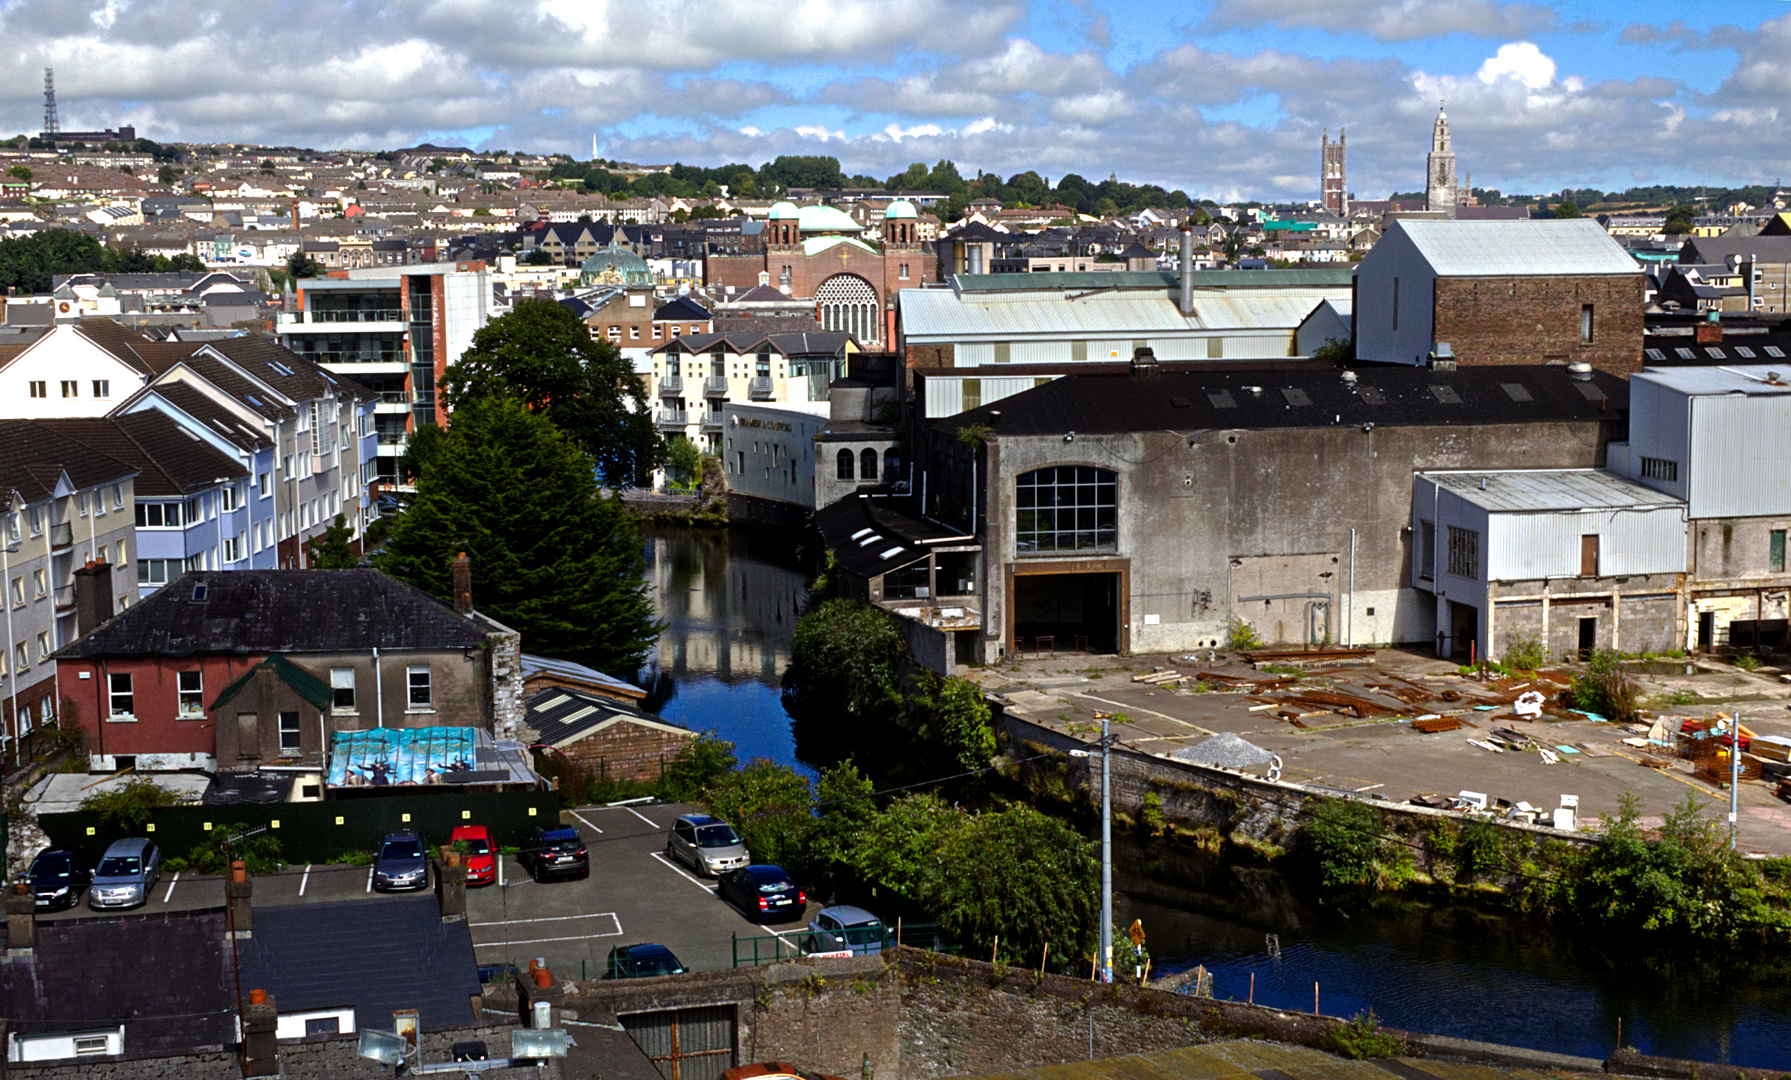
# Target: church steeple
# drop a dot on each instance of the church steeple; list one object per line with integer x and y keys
{"x": 1439, "y": 181}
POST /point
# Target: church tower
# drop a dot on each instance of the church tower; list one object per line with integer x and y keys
{"x": 1332, "y": 188}
{"x": 1439, "y": 183}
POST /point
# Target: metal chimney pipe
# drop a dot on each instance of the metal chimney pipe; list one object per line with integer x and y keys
{"x": 1187, "y": 282}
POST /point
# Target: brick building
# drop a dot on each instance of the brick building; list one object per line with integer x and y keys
{"x": 603, "y": 736}
{"x": 819, "y": 253}
{"x": 1500, "y": 292}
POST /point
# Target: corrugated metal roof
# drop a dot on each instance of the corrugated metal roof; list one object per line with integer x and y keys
{"x": 1576, "y": 246}
{"x": 1730, "y": 379}
{"x": 1146, "y": 279}
{"x": 1548, "y": 489}
{"x": 934, "y": 313}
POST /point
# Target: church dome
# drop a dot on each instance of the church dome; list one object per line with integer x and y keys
{"x": 615, "y": 265}
{"x": 784, "y": 211}
{"x": 827, "y": 219}
{"x": 901, "y": 208}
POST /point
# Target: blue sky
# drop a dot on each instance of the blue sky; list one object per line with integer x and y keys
{"x": 1222, "y": 98}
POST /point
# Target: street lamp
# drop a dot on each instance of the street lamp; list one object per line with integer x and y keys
{"x": 1106, "y": 846}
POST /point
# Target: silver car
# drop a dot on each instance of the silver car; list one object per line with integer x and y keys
{"x": 708, "y": 844}
{"x": 845, "y": 929}
{"x": 129, "y": 869}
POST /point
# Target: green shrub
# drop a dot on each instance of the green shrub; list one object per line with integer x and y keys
{"x": 1344, "y": 835}
{"x": 1525, "y": 654}
{"x": 128, "y": 807}
{"x": 1747, "y": 661}
{"x": 1150, "y": 815}
{"x": 1361, "y": 1037}
{"x": 1240, "y": 636}
{"x": 260, "y": 853}
{"x": 1605, "y": 688}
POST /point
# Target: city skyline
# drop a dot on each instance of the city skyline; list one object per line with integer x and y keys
{"x": 1225, "y": 99}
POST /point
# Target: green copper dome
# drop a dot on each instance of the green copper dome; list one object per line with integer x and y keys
{"x": 615, "y": 265}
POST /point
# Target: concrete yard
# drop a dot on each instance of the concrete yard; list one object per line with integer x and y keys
{"x": 633, "y": 895}
{"x": 1387, "y": 757}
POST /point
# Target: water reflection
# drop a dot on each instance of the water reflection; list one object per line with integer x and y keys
{"x": 730, "y": 599}
{"x": 1454, "y": 971}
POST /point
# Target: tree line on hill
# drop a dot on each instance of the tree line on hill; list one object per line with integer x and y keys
{"x": 28, "y": 263}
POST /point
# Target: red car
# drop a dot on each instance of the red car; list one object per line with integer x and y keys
{"x": 480, "y": 856}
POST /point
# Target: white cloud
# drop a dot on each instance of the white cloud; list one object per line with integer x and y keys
{"x": 1386, "y": 20}
{"x": 1519, "y": 60}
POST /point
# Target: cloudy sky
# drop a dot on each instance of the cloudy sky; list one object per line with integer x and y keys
{"x": 1223, "y": 98}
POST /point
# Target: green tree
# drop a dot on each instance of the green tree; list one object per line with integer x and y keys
{"x": 1345, "y": 837}
{"x": 19, "y": 172}
{"x": 28, "y": 263}
{"x": 267, "y": 166}
{"x": 333, "y": 549}
{"x": 683, "y": 459}
{"x": 901, "y": 849}
{"x": 1680, "y": 220}
{"x": 840, "y": 687}
{"x": 769, "y": 804}
{"x": 551, "y": 557}
{"x": 166, "y": 174}
{"x": 301, "y": 265}
{"x": 1567, "y": 208}
{"x": 542, "y": 354}
{"x": 698, "y": 764}
{"x": 1020, "y": 875}
{"x": 949, "y": 717}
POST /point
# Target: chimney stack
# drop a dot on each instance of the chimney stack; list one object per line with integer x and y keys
{"x": 1709, "y": 330}
{"x": 239, "y": 894}
{"x": 463, "y": 584}
{"x": 21, "y": 919}
{"x": 1187, "y": 283}
{"x": 1144, "y": 363}
{"x": 261, "y": 1022}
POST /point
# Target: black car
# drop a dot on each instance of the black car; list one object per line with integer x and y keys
{"x": 555, "y": 852}
{"x": 401, "y": 862}
{"x": 641, "y": 961}
{"x": 57, "y": 878}
{"x": 764, "y": 893}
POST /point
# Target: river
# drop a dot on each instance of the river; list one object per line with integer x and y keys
{"x": 730, "y": 599}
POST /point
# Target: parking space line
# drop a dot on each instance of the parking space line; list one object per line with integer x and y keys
{"x": 617, "y": 932}
{"x": 175, "y": 881}
{"x": 306, "y": 880}
{"x": 680, "y": 872}
{"x": 584, "y": 819}
{"x": 500, "y": 868}
{"x": 370, "y": 879}
{"x": 551, "y": 918}
{"x": 637, "y": 814}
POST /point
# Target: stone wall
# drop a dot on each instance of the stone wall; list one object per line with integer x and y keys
{"x": 627, "y": 751}
{"x": 1530, "y": 320}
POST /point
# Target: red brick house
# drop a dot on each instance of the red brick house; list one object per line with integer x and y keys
{"x": 610, "y": 740}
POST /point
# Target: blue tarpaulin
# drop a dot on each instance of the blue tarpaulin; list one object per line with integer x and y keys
{"x": 385, "y": 757}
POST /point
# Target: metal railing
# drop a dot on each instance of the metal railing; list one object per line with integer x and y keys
{"x": 712, "y": 421}
{"x": 391, "y": 438}
{"x": 858, "y": 941}
{"x": 62, "y": 536}
{"x": 394, "y": 397}
{"x": 357, "y": 315}
{"x": 673, "y": 419}
{"x": 760, "y": 388}
{"x": 716, "y": 386}
{"x": 671, "y": 386}
{"x": 65, "y": 597}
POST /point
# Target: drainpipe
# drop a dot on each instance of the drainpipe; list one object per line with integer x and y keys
{"x": 379, "y": 697}
{"x": 1349, "y": 633}
{"x": 1187, "y": 282}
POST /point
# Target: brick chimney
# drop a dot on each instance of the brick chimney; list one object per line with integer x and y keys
{"x": 261, "y": 1022}
{"x": 1709, "y": 330}
{"x": 450, "y": 885}
{"x": 93, "y": 596}
{"x": 21, "y": 919}
{"x": 239, "y": 892}
{"x": 463, "y": 584}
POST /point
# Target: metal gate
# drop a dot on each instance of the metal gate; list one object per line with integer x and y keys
{"x": 685, "y": 1044}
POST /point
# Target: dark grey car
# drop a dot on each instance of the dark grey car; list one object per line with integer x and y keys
{"x": 401, "y": 863}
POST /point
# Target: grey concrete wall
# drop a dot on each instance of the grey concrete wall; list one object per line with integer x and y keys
{"x": 1196, "y": 502}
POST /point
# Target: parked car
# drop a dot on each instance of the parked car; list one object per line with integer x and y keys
{"x": 401, "y": 862}
{"x": 126, "y": 873}
{"x": 478, "y": 855}
{"x": 844, "y": 928}
{"x": 555, "y": 852}
{"x": 764, "y": 893}
{"x": 57, "y": 878}
{"x": 708, "y": 844}
{"x": 641, "y": 961}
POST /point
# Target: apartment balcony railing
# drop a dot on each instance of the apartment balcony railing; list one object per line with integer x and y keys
{"x": 391, "y": 438}
{"x": 65, "y": 597}
{"x": 760, "y": 388}
{"x": 678, "y": 420}
{"x": 671, "y": 386}
{"x": 712, "y": 422}
{"x": 716, "y": 386}
{"x": 394, "y": 397}
{"x": 62, "y": 536}
{"x": 357, "y": 315}
{"x": 352, "y": 357}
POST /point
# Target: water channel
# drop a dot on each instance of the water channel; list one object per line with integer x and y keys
{"x": 730, "y": 599}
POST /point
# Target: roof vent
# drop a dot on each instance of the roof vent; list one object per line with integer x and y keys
{"x": 1580, "y": 370}
{"x": 1144, "y": 363}
{"x": 1772, "y": 379}
{"x": 1349, "y": 378}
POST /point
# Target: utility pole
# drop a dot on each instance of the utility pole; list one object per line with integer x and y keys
{"x": 1106, "y": 955}
{"x": 1734, "y": 778}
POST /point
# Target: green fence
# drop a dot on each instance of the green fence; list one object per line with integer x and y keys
{"x": 320, "y": 831}
{"x": 859, "y": 940}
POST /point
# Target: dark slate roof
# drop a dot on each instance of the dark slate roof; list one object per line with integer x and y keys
{"x": 563, "y": 715}
{"x": 375, "y": 956}
{"x": 117, "y": 339}
{"x": 874, "y": 534}
{"x": 169, "y": 461}
{"x": 165, "y": 977}
{"x": 283, "y": 369}
{"x": 1201, "y": 401}
{"x": 33, "y": 455}
{"x": 1718, "y": 249}
{"x": 203, "y": 410}
{"x": 283, "y": 611}
{"x": 810, "y": 343}
{"x": 683, "y": 309}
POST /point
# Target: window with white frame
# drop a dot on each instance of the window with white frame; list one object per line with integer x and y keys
{"x": 192, "y": 693}
{"x": 233, "y": 549}
{"x": 18, "y": 591}
{"x": 119, "y": 554}
{"x": 44, "y": 648}
{"x": 421, "y": 694}
{"x": 291, "y": 736}
{"x": 118, "y": 496}
{"x": 21, "y": 656}
{"x": 228, "y": 495}
{"x": 264, "y": 483}
{"x": 36, "y": 514}
{"x": 41, "y": 580}
{"x": 155, "y": 515}
{"x": 102, "y": 388}
{"x": 157, "y": 571}
{"x": 121, "y": 700}
{"x": 342, "y": 689}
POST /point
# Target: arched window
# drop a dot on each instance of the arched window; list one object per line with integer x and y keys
{"x": 892, "y": 464}
{"x": 843, "y": 466}
{"x": 849, "y": 304}
{"x": 867, "y": 464}
{"x": 1066, "y": 508}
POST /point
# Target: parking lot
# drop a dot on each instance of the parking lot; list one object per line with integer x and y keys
{"x": 634, "y": 894}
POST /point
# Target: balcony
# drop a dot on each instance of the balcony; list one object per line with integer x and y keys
{"x": 391, "y": 438}
{"x": 712, "y": 423}
{"x": 394, "y": 397}
{"x": 62, "y": 536}
{"x": 673, "y": 421}
{"x": 356, "y": 315}
{"x": 760, "y": 388}
{"x": 716, "y": 386}
{"x": 65, "y": 597}
{"x": 671, "y": 386}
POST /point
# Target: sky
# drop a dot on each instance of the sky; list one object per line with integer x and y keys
{"x": 1225, "y": 99}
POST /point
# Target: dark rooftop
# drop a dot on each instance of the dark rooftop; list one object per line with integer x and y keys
{"x": 280, "y": 611}
{"x": 33, "y": 456}
{"x": 563, "y": 715}
{"x": 376, "y": 956}
{"x": 1194, "y": 401}
{"x": 168, "y": 460}
{"x": 871, "y": 534}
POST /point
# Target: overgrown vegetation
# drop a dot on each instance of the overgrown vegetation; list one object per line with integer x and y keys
{"x": 260, "y": 853}
{"x": 1605, "y": 688}
{"x": 1525, "y": 653}
{"x": 127, "y": 807}
{"x": 1361, "y": 1037}
{"x": 1240, "y": 636}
